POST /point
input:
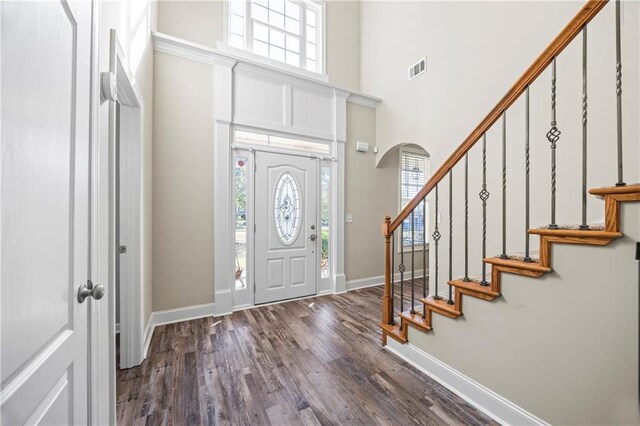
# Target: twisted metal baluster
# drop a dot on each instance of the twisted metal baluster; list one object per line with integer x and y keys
{"x": 553, "y": 135}
{"x": 619, "y": 94}
{"x": 527, "y": 196}
{"x": 424, "y": 249}
{"x": 504, "y": 186}
{"x": 401, "y": 267}
{"x": 393, "y": 263}
{"x": 466, "y": 217}
{"x": 584, "y": 129}
{"x": 413, "y": 261}
{"x": 450, "y": 301}
{"x": 436, "y": 238}
{"x": 484, "y": 196}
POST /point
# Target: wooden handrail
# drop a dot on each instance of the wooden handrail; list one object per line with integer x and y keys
{"x": 562, "y": 40}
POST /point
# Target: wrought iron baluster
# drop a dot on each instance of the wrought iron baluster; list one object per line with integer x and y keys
{"x": 584, "y": 129}
{"x": 450, "y": 301}
{"x": 619, "y": 94}
{"x": 466, "y": 217}
{"x": 436, "y": 238}
{"x": 484, "y": 196}
{"x": 553, "y": 136}
{"x": 393, "y": 268}
{"x": 504, "y": 186}
{"x": 401, "y": 267}
{"x": 413, "y": 261}
{"x": 424, "y": 249}
{"x": 527, "y": 192}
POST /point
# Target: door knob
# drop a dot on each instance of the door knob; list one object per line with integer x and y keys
{"x": 313, "y": 237}
{"x": 89, "y": 290}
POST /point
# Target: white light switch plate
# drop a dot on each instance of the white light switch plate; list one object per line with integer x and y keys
{"x": 348, "y": 218}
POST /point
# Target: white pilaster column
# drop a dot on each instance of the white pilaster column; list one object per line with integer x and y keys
{"x": 222, "y": 196}
{"x": 337, "y": 190}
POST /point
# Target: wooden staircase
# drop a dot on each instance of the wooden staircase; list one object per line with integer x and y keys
{"x": 395, "y": 324}
{"x": 613, "y": 197}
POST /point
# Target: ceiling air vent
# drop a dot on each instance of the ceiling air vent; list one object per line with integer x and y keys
{"x": 417, "y": 68}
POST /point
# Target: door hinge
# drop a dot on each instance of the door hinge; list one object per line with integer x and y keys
{"x": 254, "y": 228}
{"x": 122, "y": 249}
{"x": 255, "y": 166}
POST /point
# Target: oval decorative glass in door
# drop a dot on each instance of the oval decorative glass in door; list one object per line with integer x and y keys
{"x": 287, "y": 209}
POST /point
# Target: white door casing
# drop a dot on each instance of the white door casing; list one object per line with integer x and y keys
{"x": 46, "y": 115}
{"x": 126, "y": 135}
{"x": 286, "y": 243}
{"x": 307, "y": 110}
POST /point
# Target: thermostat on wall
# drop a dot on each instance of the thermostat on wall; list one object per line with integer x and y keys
{"x": 362, "y": 146}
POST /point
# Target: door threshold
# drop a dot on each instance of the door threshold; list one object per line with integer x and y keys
{"x": 293, "y": 299}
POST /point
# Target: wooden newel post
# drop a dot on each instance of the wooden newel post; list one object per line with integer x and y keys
{"x": 387, "y": 314}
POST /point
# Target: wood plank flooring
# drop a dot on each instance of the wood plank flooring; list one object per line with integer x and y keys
{"x": 314, "y": 361}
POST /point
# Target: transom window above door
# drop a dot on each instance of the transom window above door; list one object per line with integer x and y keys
{"x": 288, "y": 31}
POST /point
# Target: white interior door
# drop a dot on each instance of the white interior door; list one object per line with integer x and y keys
{"x": 45, "y": 74}
{"x": 286, "y": 243}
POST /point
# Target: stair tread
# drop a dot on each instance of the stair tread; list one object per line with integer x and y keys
{"x": 534, "y": 256}
{"x": 441, "y": 305}
{"x": 608, "y": 190}
{"x": 575, "y": 227}
{"x": 395, "y": 331}
{"x": 474, "y": 278}
{"x": 416, "y": 319}
{"x": 474, "y": 286}
{"x": 518, "y": 264}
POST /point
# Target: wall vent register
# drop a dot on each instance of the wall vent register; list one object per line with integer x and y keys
{"x": 417, "y": 68}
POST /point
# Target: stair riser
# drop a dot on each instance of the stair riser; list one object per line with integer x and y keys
{"x": 626, "y": 197}
{"x": 397, "y": 333}
{"x": 479, "y": 295}
{"x": 422, "y": 327}
{"x": 612, "y": 215}
{"x": 444, "y": 312}
{"x": 416, "y": 320}
{"x": 578, "y": 240}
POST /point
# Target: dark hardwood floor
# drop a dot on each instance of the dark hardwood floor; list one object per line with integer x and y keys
{"x": 311, "y": 361}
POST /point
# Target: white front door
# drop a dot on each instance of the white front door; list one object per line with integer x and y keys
{"x": 45, "y": 122}
{"x": 286, "y": 243}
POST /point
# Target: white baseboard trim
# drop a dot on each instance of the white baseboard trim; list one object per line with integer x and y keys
{"x": 187, "y": 313}
{"x": 374, "y": 281}
{"x": 493, "y": 405}
{"x": 365, "y": 282}
{"x": 171, "y": 316}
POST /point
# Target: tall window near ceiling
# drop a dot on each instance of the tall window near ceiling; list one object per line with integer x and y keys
{"x": 288, "y": 31}
{"x": 414, "y": 172}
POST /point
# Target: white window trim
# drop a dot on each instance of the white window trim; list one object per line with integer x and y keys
{"x": 421, "y": 153}
{"x": 249, "y": 54}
